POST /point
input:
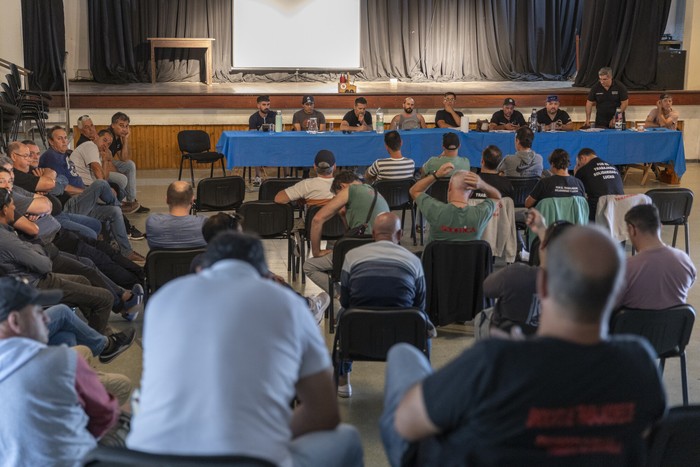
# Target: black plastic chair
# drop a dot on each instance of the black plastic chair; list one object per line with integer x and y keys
{"x": 219, "y": 194}
{"x": 522, "y": 187}
{"x": 340, "y": 249}
{"x": 162, "y": 266}
{"x": 270, "y": 220}
{"x": 271, "y": 186}
{"x": 674, "y": 441}
{"x": 195, "y": 145}
{"x": 333, "y": 229}
{"x": 367, "y": 334}
{"x": 674, "y": 205}
{"x": 395, "y": 192}
{"x": 454, "y": 277}
{"x": 668, "y": 331}
{"x": 123, "y": 457}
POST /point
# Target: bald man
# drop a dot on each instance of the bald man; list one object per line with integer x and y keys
{"x": 571, "y": 395}
{"x": 381, "y": 274}
{"x": 409, "y": 119}
{"x": 455, "y": 220}
{"x": 177, "y": 228}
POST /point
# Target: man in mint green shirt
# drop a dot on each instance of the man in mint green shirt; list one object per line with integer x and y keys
{"x": 455, "y": 220}
{"x": 450, "y": 147}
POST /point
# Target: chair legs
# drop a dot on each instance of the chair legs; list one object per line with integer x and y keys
{"x": 684, "y": 375}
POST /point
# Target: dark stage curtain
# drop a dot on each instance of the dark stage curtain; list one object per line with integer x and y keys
{"x": 119, "y": 29}
{"x": 44, "y": 39}
{"x": 622, "y": 34}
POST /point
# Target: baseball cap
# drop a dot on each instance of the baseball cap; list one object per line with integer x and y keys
{"x": 450, "y": 141}
{"x": 553, "y": 98}
{"x": 665, "y": 96}
{"x": 509, "y": 101}
{"x": 307, "y": 100}
{"x": 15, "y": 294}
{"x": 324, "y": 159}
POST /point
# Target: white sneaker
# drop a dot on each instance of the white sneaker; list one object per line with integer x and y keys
{"x": 345, "y": 391}
{"x": 257, "y": 181}
{"x": 318, "y": 304}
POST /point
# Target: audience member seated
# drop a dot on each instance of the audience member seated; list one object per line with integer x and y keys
{"x": 450, "y": 148}
{"x": 92, "y": 162}
{"x": 50, "y": 392}
{"x": 32, "y": 212}
{"x": 663, "y": 116}
{"x": 657, "y": 276}
{"x": 300, "y": 120}
{"x": 394, "y": 167}
{"x": 491, "y": 157}
{"x": 553, "y": 117}
{"x": 178, "y": 228}
{"x": 408, "y": 120}
{"x": 560, "y": 184}
{"x": 381, "y": 274}
{"x": 246, "y": 409}
{"x": 525, "y": 163}
{"x": 507, "y": 118}
{"x": 570, "y": 396}
{"x": 455, "y": 220}
{"x": 448, "y": 117}
{"x": 598, "y": 177}
{"x": 261, "y": 120}
{"x": 359, "y": 204}
{"x": 357, "y": 119}
{"x": 312, "y": 191}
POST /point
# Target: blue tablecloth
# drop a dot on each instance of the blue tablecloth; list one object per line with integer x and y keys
{"x": 295, "y": 148}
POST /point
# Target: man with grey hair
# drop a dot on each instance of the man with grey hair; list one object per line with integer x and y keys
{"x": 570, "y": 395}
{"x": 607, "y": 95}
{"x": 455, "y": 220}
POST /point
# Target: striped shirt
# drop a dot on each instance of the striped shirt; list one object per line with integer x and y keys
{"x": 392, "y": 169}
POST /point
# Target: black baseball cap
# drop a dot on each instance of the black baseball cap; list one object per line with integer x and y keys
{"x": 450, "y": 141}
{"x": 324, "y": 159}
{"x": 509, "y": 101}
{"x": 307, "y": 100}
{"x": 15, "y": 294}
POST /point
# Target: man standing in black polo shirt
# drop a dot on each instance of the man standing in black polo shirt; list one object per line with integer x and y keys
{"x": 598, "y": 177}
{"x": 507, "y": 118}
{"x": 607, "y": 95}
{"x": 264, "y": 116}
{"x": 551, "y": 114}
{"x": 448, "y": 117}
{"x": 357, "y": 119}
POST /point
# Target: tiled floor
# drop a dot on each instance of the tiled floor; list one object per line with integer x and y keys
{"x": 363, "y": 409}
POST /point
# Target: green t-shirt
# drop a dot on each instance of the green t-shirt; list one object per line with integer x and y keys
{"x": 359, "y": 200}
{"x": 448, "y": 222}
{"x": 434, "y": 163}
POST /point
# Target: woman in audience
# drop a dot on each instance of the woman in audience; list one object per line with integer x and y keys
{"x": 560, "y": 184}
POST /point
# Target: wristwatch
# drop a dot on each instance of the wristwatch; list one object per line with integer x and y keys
{"x": 433, "y": 174}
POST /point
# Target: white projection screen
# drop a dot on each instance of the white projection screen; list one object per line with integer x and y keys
{"x": 296, "y": 34}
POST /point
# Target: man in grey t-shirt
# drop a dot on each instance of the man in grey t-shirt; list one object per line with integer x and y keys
{"x": 177, "y": 229}
{"x": 300, "y": 121}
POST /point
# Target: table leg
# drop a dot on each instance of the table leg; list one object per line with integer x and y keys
{"x": 208, "y": 66}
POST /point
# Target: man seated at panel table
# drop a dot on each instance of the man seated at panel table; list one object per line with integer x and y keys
{"x": 450, "y": 149}
{"x": 408, "y": 120}
{"x": 261, "y": 120}
{"x": 395, "y": 167}
{"x": 560, "y": 184}
{"x": 570, "y": 396}
{"x": 448, "y": 117}
{"x": 507, "y": 118}
{"x": 357, "y": 119}
{"x": 663, "y": 116}
{"x": 300, "y": 120}
{"x": 177, "y": 228}
{"x": 455, "y": 220}
{"x": 553, "y": 117}
{"x": 599, "y": 178}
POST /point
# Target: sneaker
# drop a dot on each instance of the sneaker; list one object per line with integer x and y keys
{"x": 135, "y": 234}
{"x": 318, "y": 304}
{"x": 257, "y": 181}
{"x": 117, "y": 344}
{"x": 116, "y": 436}
{"x": 130, "y": 207}
{"x": 136, "y": 258}
{"x": 142, "y": 209}
{"x": 345, "y": 391}
{"x": 134, "y": 305}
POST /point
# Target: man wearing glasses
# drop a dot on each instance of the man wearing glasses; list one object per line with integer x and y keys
{"x": 448, "y": 117}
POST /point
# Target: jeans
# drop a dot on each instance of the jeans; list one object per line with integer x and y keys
{"x": 340, "y": 447}
{"x": 86, "y": 201}
{"x": 113, "y": 215}
{"x": 87, "y": 226}
{"x": 66, "y": 328}
{"x": 66, "y": 263}
{"x": 128, "y": 168}
{"x": 405, "y": 366}
{"x": 317, "y": 270}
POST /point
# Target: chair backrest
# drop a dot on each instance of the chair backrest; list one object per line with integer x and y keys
{"x": 220, "y": 193}
{"x": 454, "y": 277}
{"x": 667, "y": 330}
{"x": 674, "y": 204}
{"x": 522, "y": 187}
{"x": 674, "y": 441}
{"x": 162, "y": 266}
{"x": 122, "y": 457}
{"x": 500, "y": 230}
{"x": 271, "y": 186}
{"x": 267, "y": 218}
{"x": 341, "y": 248}
{"x": 438, "y": 190}
{"x": 395, "y": 192}
{"x": 572, "y": 208}
{"x": 611, "y": 210}
{"x": 368, "y": 333}
{"x": 333, "y": 228}
{"x": 193, "y": 141}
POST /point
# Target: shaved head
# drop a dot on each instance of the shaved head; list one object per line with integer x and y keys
{"x": 179, "y": 193}
{"x": 387, "y": 226}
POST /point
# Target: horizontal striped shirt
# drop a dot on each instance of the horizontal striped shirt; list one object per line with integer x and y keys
{"x": 392, "y": 169}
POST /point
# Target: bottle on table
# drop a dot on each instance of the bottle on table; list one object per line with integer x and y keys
{"x": 533, "y": 121}
{"x": 278, "y": 122}
{"x": 379, "y": 117}
{"x": 619, "y": 119}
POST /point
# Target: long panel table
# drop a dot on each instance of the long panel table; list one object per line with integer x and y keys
{"x": 295, "y": 148}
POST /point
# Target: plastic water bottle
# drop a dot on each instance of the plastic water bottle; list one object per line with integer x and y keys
{"x": 379, "y": 117}
{"x": 533, "y": 121}
{"x": 278, "y": 122}
{"x": 619, "y": 120}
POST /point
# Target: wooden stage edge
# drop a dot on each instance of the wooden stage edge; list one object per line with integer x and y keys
{"x": 110, "y": 97}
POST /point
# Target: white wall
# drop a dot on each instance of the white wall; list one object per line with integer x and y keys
{"x": 76, "y": 18}
{"x": 11, "y": 32}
